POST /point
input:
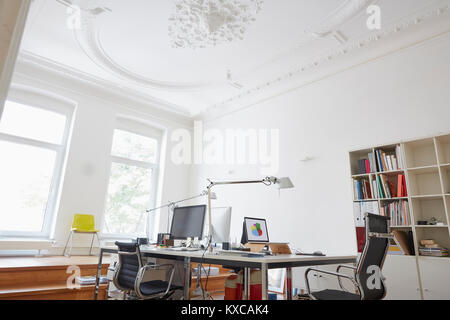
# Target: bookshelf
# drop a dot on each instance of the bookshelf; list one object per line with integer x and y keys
{"x": 425, "y": 165}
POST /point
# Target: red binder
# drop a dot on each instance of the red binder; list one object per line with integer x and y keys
{"x": 361, "y": 238}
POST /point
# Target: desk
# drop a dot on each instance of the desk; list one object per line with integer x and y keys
{"x": 263, "y": 263}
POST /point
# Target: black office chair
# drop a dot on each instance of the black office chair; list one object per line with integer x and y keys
{"x": 367, "y": 277}
{"x": 130, "y": 271}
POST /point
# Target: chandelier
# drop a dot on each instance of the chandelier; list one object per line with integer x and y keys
{"x": 202, "y": 23}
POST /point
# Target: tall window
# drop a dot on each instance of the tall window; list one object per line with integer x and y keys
{"x": 32, "y": 145}
{"x": 132, "y": 184}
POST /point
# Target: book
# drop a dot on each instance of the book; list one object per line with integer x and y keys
{"x": 361, "y": 208}
{"x": 385, "y": 188}
{"x": 380, "y": 164}
{"x": 394, "y": 163}
{"x": 433, "y": 252}
{"x": 360, "y": 238}
{"x": 399, "y": 186}
{"x": 395, "y": 249}
{"x": 383, "y": 160}
{"x": 411, "y": 243}
{"x": 389, "y": 162}
{"x": 380, "y": 188}
{"x": 357, "y": 214}
{"x": 392, "y": 190}
{"x": 372, "y": 163}
{"x": 398, "y": 212}
{"x": 398, "y": 153}
{"x": 375, "y": 189}
{"x": 402, "y": 240}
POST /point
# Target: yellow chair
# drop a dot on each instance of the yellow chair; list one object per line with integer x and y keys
{"x": 82, "y": 223}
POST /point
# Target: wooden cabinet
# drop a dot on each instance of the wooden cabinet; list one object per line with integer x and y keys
{"x": 402, "y": 281}
{"x": 435, "y": 278}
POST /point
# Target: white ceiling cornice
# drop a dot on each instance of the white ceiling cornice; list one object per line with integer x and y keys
{"x": 124, "y": 61}
{"x": 322, "y": 67}
{"x": 33, "y": 67}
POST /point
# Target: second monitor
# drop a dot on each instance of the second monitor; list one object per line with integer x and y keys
{"x": 221, "y": 224}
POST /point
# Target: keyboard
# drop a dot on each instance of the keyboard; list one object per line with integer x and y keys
{"x": 240, "y": 253}
{"x": 183, "y": 249}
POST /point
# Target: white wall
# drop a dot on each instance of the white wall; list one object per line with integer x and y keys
{"x": 12, "y": 23}
{"x": 85, "y": 181}
{"x": 401, "y": 96}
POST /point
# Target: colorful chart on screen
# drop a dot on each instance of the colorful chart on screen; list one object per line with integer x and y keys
{"x": 256, "y": 230}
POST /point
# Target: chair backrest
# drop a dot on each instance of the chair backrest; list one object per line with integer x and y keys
{"x": 83, "y": 221}
{"x": 369, "y": 267}
{"x": 130, "y": 262}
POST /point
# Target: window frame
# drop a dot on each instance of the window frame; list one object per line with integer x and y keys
{"x": 148, "y": 131}
{"x": 56, "y": 105}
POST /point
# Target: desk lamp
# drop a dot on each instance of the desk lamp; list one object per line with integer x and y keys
{"x": 172, "y": 205}
{"x": 282, "y": 183}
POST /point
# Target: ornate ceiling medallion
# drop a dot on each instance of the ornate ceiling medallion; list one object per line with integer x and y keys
{"x": 88, "y": 38}
{"x": 203, "y": 23}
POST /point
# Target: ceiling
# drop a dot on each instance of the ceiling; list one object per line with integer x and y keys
{"x": 194, "y": 58}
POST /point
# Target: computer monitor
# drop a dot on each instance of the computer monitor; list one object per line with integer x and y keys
{"x": 187, "y": 222}
{"x": 254, "y": 230}
{"x": 221, "y": 223}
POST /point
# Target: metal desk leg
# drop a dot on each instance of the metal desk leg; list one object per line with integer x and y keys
{"x": 246, "y": 283}
{"x": 99, "y": 273}
{"x": 264, "y": 281}
{"x": 187, "y": 277}
{"x": 249, "y": 282}
{"x": 288, "y": 283}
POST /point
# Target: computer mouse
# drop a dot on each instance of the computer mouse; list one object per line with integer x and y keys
{"x": 318, "y": 253}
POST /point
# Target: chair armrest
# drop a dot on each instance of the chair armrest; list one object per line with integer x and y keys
{"x": 144, "y": 269}
{"x": 157, "y": 266}
{"x": 342, "y": 266}
{"x": 345, "y": 266}
{"x": 339, "y": 275}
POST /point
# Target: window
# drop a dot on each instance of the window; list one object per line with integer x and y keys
{"x": 132, "y": 184}
{"x": 32, "y": 145}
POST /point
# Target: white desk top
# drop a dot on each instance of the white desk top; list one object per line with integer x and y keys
{"x": 283, "y": 258}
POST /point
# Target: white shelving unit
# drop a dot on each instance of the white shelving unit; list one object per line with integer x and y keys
{"x": 427, "y": 173}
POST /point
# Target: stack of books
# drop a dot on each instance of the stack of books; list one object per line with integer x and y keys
{"x": 84, "y": 281}
{"x": 367, "y": 165}
{"x": 398, "y": 212}
{"x": 361, "y": 189}
{"x": 389, "y": 162}
{"x": 386, "y": 188}
{"x": 402, "y": 244}
{"x": 432, "y": 249}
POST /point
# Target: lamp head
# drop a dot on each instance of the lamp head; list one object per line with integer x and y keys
{"x": 282, "y": 183}
{"x": 213, "y": 194}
